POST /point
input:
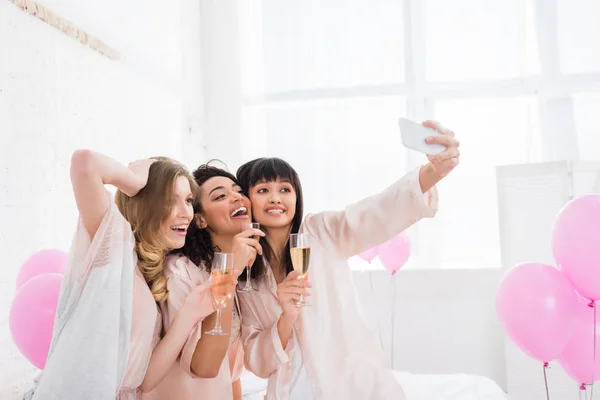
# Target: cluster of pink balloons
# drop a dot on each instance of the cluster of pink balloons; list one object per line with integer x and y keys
{"x": 393, "y": 254}
{"x": 549, "y": 312}
{"x": 32, "y": 311}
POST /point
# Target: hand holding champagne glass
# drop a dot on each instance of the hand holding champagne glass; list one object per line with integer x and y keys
{"x": 223, "y": 278}
{"x": 300, "y": 252}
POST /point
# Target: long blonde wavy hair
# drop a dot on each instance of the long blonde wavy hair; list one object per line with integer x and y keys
{"x": 146, "y": 211}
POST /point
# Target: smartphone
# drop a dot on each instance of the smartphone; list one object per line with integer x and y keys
{"x": 414, "y": 134}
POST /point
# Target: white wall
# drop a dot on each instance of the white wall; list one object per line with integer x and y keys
{"x": 57, "y": 96}
{"x": 437, "y": 321}
{"x": 221, "y": 81}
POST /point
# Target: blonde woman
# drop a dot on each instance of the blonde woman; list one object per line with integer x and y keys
{"x": 106, "y": 332}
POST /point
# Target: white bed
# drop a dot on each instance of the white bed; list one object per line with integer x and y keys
{"x": 416, "y": 387}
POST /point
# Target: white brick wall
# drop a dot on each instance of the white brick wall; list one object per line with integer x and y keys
{"x": 57, "y": 96}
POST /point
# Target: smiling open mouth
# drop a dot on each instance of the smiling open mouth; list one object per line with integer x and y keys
{"x": 240, "y": 211}
{"x": 179, "y": 228}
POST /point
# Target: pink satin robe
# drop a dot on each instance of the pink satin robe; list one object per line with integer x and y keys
{"x": 181, "y": 383}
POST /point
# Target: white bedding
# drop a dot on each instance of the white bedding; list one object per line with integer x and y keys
{"x": 416, "y": 387}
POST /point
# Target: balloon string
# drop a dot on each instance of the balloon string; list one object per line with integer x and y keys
{"x": 546, "y": 380}
{"x": 593, "y": 303}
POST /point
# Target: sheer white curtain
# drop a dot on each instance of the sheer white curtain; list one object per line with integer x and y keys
{"x": 324, "y": 81}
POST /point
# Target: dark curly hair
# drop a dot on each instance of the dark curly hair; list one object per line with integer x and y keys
{"x": 198, "y": 245}
{"x": 269, "y": 169}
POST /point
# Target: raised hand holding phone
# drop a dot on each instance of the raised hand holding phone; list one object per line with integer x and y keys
{"x": 414, "y": 135}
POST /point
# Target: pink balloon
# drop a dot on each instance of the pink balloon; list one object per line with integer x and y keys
{"x": 394, "y": 253}
{"x": 32, "y": 317}
{"x": 574, "y": 244}
{"x": 537, "y": 307}
{"x": 578, "y": 357}
{"x": 42, "y": 262}
{"x": 369, "y": 255}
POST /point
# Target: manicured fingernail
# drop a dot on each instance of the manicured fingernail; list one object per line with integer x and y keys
{"x": 428, "y": 139}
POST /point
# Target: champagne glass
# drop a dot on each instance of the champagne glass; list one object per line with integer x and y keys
{"x": 248, "y": 287}
{"x": 300, "y": 252}
{"x": 222, "y": 287}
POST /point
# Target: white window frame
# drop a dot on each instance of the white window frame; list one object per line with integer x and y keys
{"x": 551, "y": 88}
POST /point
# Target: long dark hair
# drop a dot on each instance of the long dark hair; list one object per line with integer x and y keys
{"x": 269, "y": 170}
{"x": 198, "y": 245}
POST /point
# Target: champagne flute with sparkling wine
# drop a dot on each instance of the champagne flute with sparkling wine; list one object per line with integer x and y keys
{"x": 300, "y": 252}
{"x": 248, "y": 287}
{"x": 222, "y": 288}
